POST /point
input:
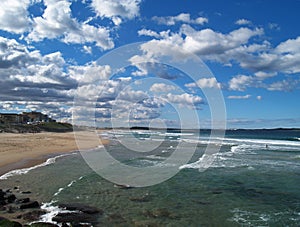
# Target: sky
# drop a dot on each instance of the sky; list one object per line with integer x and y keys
{"x": 65, "y": 59}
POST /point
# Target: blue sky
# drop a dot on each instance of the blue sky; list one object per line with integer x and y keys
{"x": 50, "y": 51}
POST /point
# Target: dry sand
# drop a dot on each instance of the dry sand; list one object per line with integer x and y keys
{"x": 26, "y": 150}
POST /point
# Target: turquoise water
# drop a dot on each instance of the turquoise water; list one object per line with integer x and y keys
{"x": 248, "y": 184}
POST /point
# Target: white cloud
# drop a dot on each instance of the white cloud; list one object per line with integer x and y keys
{"x": 184, "y": 99}
{"x": 161, "y": 87}
{"x": 117, "y": 9}
{"x": 182, "y": 18}
{"x": 210, "y": 43}
{"x": 243, "y": 22}
{"x": 284, "y": 85}
{"x": 147, "y": 32}
{"x": 57, "y": 23}
{"x": 90, "y": 73}
{"x": 239, "y": 97}
{"x": 205, "y": 83}
{"x": 241, "y": 82}
{"x": 14, "y": 16}
{"x": 87, "y": 49}
{"x": 259, "y": 97}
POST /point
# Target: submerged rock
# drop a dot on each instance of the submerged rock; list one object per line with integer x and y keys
{"x": 81, "y": 207}
{"x": 74, "y": 217}
{"x": 33, "y": 215}
{"x": 143, "y": 198}
{"x": 43, "y": 224}
{"x": 29, "y": 205}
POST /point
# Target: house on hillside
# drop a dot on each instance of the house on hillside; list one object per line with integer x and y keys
{"x": 24, "y": 118}
{"x": 11, "y": 118}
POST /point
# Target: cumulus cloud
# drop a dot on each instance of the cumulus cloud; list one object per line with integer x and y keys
{"x": 239, "y": 96}
{"x": 57, "y": 23}
{"x": 243, "y": 22}
{"x": 90, "y": 73}
{"x": 185, "y": 99}
{"x": 284, "y": 85}
{"x": 117, "y": 9}
{"x": 147, "y": 32}
{"x": 205, "y": 83}
{"x": 181, "y": 18}
{"x": 14, "y": 16}
{"x": 241, "y": 82}
{"x": 161, "y": 87}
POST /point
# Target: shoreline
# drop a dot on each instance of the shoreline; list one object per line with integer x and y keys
{"x": 19, "y": 150}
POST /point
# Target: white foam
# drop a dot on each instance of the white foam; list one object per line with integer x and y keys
{"x": 204, "y": 162}
{"x": 51, "y": 212}
{"x": 26, "y": 170}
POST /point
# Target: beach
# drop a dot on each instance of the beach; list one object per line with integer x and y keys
{"x": 245, "y": 185}
{"x": 21, "y": 150}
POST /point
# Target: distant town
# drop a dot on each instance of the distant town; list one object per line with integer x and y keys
{"x": 24, "y": 118}
{"x": 32, "y": 122}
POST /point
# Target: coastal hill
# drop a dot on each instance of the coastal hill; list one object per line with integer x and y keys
{"x": 31, "y": 122}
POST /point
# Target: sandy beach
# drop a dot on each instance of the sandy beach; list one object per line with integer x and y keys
{"x": 28, "y": 149}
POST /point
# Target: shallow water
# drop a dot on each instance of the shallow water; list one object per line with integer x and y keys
{"x": 248, "y": 184}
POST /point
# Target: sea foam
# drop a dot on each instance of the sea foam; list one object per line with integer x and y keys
{"x": 26, "y": 170}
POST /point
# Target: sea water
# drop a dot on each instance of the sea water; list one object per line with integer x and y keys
{"x": 254, "y": 180}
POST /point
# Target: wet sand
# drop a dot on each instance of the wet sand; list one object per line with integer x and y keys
{"x": 28, "y": 149}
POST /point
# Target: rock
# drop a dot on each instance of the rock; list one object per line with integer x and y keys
{"x": 33, "y": 215}
{"x": 75, "y": 217}
{"x": 123, "y": 186}
{"x": 116, "y": 218}
{"x": 2, "y": 194}
{"x": 43, "y": 224}
{"x": 157, "y": 213}
{"x": 81, "y": 207}
{"x": 29, "y": 205}
{"x": 145, "y": 223}
{"x": 24, "y": 200}
{"x": 143, "y": 198}
{"x": 10, "y": 209}
{"x": 26, "y": 192}
{"x": 11, "y": 198}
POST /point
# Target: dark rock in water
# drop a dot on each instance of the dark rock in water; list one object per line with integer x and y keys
{"x": 24, "y": 200}
{"x": 123, "y": 186}
{"x": 81, "y": 207}
{"x": 11, "y": 198}
{"x": 143, "y": 198}
{"x": 43, "y": 224}
{"x": 75, "y": 218}
{"x": 116, "y": 218}
{"x": 147, "y": 223}
{"x": 33, "y": 215}
{"x": 2, "y": 194}
{"x": 157, "y": 213}
{"x": 64, "y": 225}
{"x": 10, "y": 209}
{"x": 217, "y": 192}
{"x": 29, "y": 205}
{"x": 26, "y": 192}
{"x": 7, "y": 223}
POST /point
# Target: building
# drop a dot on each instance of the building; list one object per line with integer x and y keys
{"x": 11, "y": 118}
{"x": 24, "y": 118}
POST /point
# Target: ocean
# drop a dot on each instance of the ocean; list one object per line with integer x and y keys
{"x": 253, "y": 180}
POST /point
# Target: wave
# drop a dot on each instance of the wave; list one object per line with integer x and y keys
{"x": 26, "y": 170}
